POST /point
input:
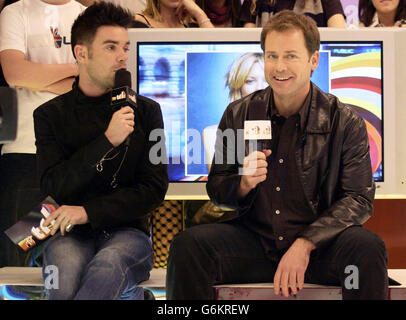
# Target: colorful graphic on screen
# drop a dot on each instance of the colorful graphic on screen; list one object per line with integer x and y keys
{"x": 194, "y": 83}
{"x": 356, "y": 79}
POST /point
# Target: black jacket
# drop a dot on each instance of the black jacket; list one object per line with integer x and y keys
{"x": 333, "y": 163}
{"x": 70, "y": 140}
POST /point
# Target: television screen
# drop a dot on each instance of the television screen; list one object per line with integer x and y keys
{"x": 195, "y": 81}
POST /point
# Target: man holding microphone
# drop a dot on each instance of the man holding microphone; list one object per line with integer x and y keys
{"x": 302, "y": 199}
{"x": 94, "y": 161}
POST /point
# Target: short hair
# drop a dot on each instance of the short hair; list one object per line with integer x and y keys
{"x": 288, "y": 20}
{"x": 95, "y": 16}
{"x": 366, "y": 11}
{"x": 239, "y": 71}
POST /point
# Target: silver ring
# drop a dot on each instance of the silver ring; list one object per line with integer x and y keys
{"x": 68, "y": 227}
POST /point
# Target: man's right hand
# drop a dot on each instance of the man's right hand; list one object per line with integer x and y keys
{"x": 121, "y": 125}
{"x": 254, "y": 171}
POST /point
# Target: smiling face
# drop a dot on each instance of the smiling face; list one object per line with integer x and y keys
{"x": 107, "y": 53}
{"x": 386, "y": 6}
{"x": 288, "y": 66}
{"x": 255, "y": 80}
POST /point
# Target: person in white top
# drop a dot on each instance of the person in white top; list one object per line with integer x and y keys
{"x": 36, "y": 58}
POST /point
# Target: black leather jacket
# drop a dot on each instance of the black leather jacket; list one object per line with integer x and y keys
{"x": 334, "y": 165}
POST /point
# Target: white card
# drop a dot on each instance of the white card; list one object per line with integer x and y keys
{"x": 257, "y": 130}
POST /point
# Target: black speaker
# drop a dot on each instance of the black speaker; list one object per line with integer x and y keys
{"x": 8, "y": 114}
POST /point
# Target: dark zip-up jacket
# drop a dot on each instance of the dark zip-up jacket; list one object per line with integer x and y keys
{"x": 333, "y": 163}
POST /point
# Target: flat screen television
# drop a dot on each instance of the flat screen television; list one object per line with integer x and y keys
{"x": 195, "y": 74}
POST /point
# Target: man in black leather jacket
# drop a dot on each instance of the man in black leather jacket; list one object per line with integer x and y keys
{"x": 94, "y": 161}
{"x": 302, "y": 199}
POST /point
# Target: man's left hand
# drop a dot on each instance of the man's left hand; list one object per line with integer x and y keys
{"x": 66, "y": 215}
{"x": 292, "y": 267}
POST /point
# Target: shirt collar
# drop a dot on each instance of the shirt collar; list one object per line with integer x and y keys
{"x": 303, "y": 111}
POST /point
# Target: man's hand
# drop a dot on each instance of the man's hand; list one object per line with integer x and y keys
{"x": 120, "y": 126}
{"x": 66, "y": 215}
{"x": 292, "y": 267}
{"x": 254, "y": 171}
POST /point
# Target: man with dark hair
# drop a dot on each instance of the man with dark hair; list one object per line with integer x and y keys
{"x": 94, "y": 161}
{"x": 301, "y": 201}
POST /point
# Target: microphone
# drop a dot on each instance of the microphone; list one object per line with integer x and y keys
{"x": 258, "y": 128}
{"x": 122, "y": 95}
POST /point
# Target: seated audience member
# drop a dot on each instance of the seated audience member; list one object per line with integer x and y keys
{"x": 222, "y": 13}
{"x": 172, "y": 14}
{"x": 36, "y": 58}
{"x": 378, "y": 13}
{"x": 301, "y": 200}
{"x": 326, "y": 13}
{"x": 94, "y": 160}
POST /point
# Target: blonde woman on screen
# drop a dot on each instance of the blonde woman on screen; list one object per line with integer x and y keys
{"x": 245, "y": 76}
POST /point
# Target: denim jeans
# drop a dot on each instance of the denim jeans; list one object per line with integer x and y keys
{"x": 105, "y": 265}
{"x": 209, "y": 254}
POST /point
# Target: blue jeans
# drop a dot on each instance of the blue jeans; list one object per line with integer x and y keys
{"x": 106, "y": 265}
